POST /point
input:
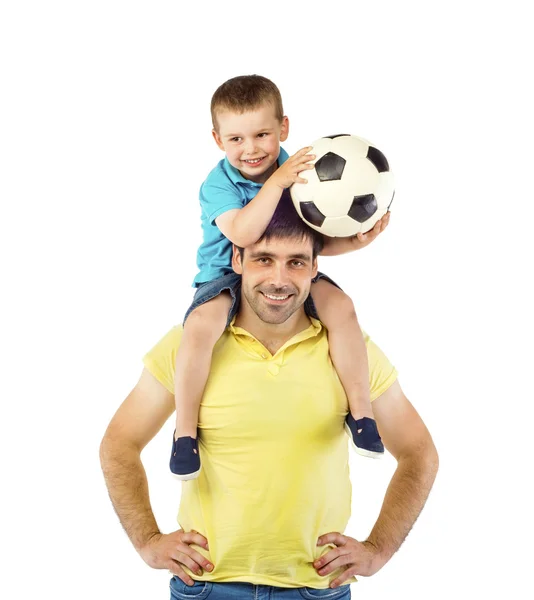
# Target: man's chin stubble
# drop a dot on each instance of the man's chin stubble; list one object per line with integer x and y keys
{"x": 272, "y": 316}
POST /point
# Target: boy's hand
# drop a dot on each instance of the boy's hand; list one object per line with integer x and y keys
{"x": 288, "y": 173}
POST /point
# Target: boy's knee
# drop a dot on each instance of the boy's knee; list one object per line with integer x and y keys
{"x": 345, "y": 306}
{"x": 210, "y": 317}
{"x": 339, "y": 308}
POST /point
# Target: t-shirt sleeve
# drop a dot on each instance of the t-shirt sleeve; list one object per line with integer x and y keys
{"x": 382, "y": 374}
{"x": 160, "y": 360}
{"x": 218, "y": 196}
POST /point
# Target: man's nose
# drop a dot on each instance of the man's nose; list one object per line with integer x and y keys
{"x": 279, "y": 275}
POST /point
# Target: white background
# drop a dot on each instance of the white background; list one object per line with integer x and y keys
{"x": 104, "y": 141}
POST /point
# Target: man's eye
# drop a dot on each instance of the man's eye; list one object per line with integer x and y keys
{"x": 263, "y": 261}
{"x": 298, "y": 263}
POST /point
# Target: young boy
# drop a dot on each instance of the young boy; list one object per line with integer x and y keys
{"x": 238, "y": 200}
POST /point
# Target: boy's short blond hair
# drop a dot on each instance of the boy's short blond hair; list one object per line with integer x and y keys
{"x": 244, "y": 93}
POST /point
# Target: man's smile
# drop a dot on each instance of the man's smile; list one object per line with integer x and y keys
{"x": 276, "y": 298}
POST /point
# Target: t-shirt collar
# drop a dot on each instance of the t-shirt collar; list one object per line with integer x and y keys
{"x": 313, "y": 330}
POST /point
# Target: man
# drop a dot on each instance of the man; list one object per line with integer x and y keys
{"x": 269, "y": 507}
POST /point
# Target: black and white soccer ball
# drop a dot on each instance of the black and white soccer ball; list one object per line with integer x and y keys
{"x": 348, "y": 191}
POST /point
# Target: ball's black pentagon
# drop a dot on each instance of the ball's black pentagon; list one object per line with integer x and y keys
{"x": 330, "y": 167}
{"x": 363, "y": 207}
{"x": 391, "y": 200}
{"x": 312, "y": 214}
{"x": 378, "y": 159}
{"x": 331, "y": 137}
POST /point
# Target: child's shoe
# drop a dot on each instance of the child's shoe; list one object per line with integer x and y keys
{"x": 185, "y": 459}
{"x": 365, "y": 437}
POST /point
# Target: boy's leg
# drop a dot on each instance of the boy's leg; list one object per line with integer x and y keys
{"x": 202, "y": 328}
{"x": 349, "y": 356}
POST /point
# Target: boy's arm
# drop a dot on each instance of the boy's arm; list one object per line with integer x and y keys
{"x": 246, "y": 225}
{"x": 342, "y": 245}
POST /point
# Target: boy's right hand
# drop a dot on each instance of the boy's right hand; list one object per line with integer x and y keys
{"x": 173, "y": 551}
{"x": 288, "y": 174}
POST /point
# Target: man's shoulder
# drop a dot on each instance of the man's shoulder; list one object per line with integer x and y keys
{"x": 161, "y": 358}
{"x": 169, "y": 342}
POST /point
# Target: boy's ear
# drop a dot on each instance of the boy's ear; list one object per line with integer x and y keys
{"x": 217, "y": 139}
{"x": 236, "y": 260}
{"x": 284, "y": 131}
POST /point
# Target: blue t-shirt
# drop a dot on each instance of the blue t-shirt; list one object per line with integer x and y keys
{"x": 224, "y": 189}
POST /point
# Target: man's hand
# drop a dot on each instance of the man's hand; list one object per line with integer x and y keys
{"x": 173, "y": 551}
{"x": 360, "y": 558}
{"x": 361, "y": 240}
{"x": 288, "y": 173}
{"x": 333, "y": 246}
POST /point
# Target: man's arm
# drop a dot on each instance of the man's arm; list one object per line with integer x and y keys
{"x": 405, "y": 435}
{"x": 135, "y": 423}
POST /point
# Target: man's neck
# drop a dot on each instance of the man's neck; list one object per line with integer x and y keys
{"x": 272, "y": 336}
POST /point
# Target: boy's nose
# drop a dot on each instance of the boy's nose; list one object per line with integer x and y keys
{"x": 250, "y": 147}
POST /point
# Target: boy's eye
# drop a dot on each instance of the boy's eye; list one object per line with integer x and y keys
{"x": 235, "y": 139}
{"x": 260, "y": 135}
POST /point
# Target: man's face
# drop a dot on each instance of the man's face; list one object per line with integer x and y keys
{"x": 276, "y": 276}
{"x": 251, "y": 140}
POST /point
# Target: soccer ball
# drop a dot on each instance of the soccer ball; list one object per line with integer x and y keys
{"x": 350, "y": 188}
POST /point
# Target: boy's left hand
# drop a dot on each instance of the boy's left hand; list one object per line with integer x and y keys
{"x": 360, "y": 240}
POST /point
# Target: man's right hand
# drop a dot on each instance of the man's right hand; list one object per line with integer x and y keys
{"x": 173, "y": 551}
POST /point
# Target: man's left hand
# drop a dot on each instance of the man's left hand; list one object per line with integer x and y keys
{"x": 359, "y": 558}
{"x": 360, "y": 240}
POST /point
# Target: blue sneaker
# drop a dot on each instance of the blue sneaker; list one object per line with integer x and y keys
{"x": 185, "y": 459}
{"x": 365, "y": 437}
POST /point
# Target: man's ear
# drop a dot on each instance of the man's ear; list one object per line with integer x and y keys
{"x": 284, "y": 131}
{"x": 217, "y": 139}
{"x": 314, "y": 268}
{"x": 237, "y": 264}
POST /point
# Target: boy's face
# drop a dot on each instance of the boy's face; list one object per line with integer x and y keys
{"x": 251, "y": 140}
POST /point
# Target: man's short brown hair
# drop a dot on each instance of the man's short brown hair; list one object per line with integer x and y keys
{"x": 287, "y": 224}
{"x": 244, "y": 93}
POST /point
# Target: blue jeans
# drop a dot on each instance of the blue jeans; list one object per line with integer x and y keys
{"x": 249, "y": 591}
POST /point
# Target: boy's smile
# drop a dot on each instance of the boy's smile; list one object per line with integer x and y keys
{"x": 251, "y": 140}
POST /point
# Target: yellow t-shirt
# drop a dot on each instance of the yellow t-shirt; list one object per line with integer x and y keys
{"x": 274, "y": 454}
